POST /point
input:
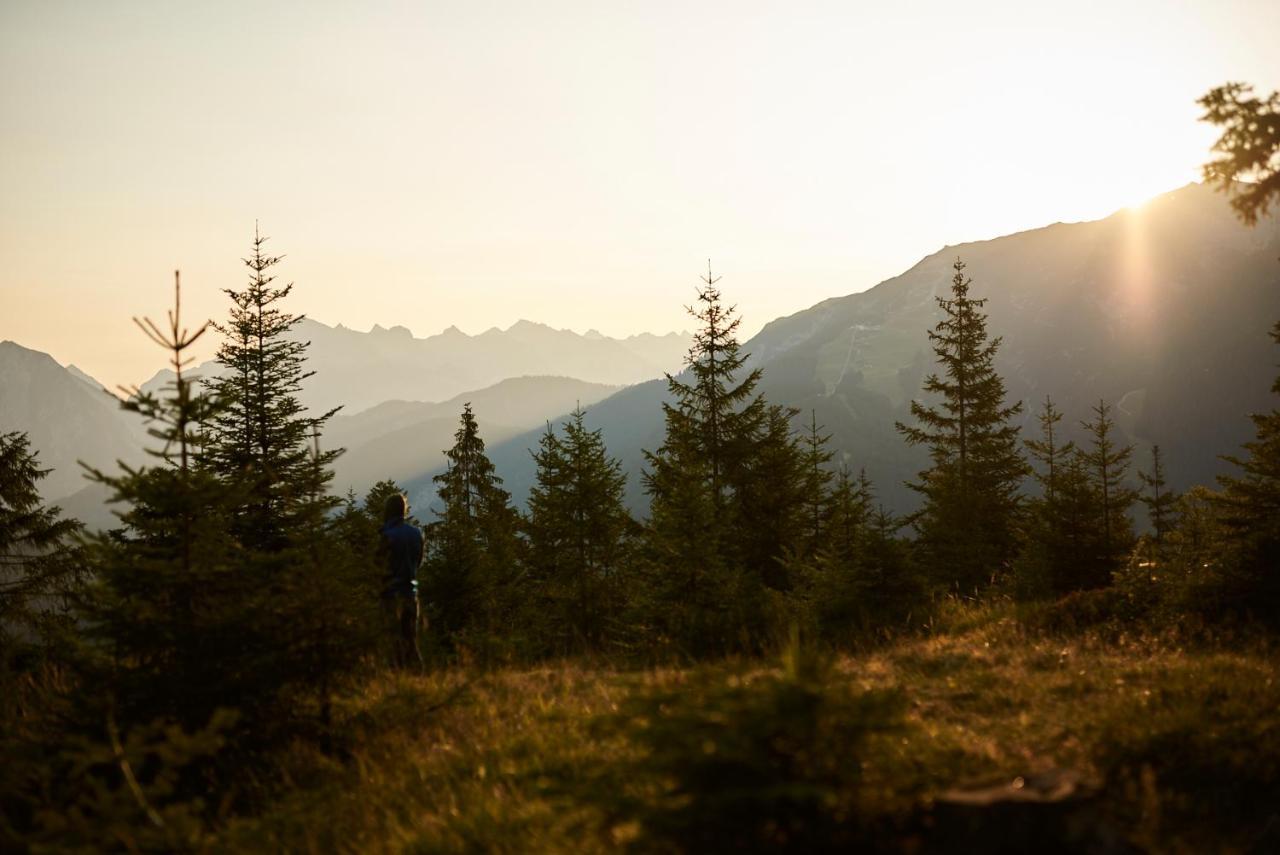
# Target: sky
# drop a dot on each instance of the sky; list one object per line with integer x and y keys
{"x": 575, "y": 163}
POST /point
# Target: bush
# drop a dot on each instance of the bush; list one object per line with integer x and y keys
{"x": 755, "y": 760}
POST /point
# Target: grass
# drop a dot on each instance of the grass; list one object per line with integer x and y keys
{"x": 1183, "y": 744}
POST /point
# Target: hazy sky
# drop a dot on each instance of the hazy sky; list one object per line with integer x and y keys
{"x": 574, "y": 163}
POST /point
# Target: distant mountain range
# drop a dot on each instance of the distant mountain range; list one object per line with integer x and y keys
{"x": 403, "y": 440}
{"x": 358, "y": 370}
{"x": 1162, "y": 311}
{"x": 69, "y": 417}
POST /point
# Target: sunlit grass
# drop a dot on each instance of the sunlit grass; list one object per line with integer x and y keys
{"x": 543, "y": 759}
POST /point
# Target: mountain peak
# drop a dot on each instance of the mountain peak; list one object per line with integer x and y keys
{"x": 396, "y": 331}
{"x": 523, "y": 325}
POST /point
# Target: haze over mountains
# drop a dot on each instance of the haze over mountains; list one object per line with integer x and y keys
{"x": 357, "y": 370}
{"x": 67, "y": 417}
{"x": 1163, "y": 311}
{"x": 404, "y": 440}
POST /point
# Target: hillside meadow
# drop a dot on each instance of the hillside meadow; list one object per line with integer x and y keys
{"x": 1147, "y": 742}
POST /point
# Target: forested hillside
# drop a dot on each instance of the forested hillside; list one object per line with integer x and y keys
{"x": 1162, "y": 311}
{"x": 922, "y": 569}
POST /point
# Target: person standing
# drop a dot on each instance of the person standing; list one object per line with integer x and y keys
{"x": 401, "y": 544}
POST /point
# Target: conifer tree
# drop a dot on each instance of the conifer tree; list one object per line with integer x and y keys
{"x": 578, "y": 535}
{"x": 775, "y": 498}
{"x": 1248, "y": 170}
{"x": 471, "y": 566}
{"x": 172, "y": 620}
{"x": 968, "y": 524}
{"x": 182, "y": 619}
{"x": 260, "y": 437}
{"x": 1049, "y": 558}
{"x": 861, "y": 582}
{"x": 325, "y": 621}
{"x": 39, "y": 559}
{"x": 848, "y": 513}
{"x": 703, "y": 596}
{"x": 1250, "y": 502}
{"x": 1108, "y": 465}
{"x": 1049, "y": 451}
{"x": 1160, "y": 501}
{"x": 41, "y": 568}
{"x": 817, "y": 461}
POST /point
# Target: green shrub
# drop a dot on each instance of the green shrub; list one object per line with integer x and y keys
{"x": 755, "y": 761}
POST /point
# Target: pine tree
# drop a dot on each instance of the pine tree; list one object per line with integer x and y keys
{"x": 849, "y": 513}
{"x": 261, "y": 436}
{"x": 1049, "y": 451}
{"x": 41, "y": 566}
{"x": 1050, "y": 558}
{"x": 1160, "y": 501}
{"x": 775, "y": 499}
{"x": 817, "y": 461}
{"x": 1108, "y": 467}
{"x": 1251, "y": 512}
{"x": 325, "y": 620}
{"x": 471, "y": 569}
{"x": 968, "y": 525}
{"x": 39, "y": 558}
{"x": 1248, "y": 170}
{"x": 703, "y": 597}
{"x": 578, "y": 535}
{"x": 172, "y": 621}
{"x": 861, "y": 582}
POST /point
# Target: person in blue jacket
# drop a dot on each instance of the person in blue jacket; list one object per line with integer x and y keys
{"x": 402, "y": 548}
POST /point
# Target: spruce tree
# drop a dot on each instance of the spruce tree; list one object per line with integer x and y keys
{"x": 1107, "y": 463}
{"x": 324, "y": 616}
{"x": 861, "y": 582}
{"x": 968, "y": 525}
{"x": 41, "y": 569}
{"x": 39, "y": 557}
{"x": 775, "y": 499}
{"x": 817, "y": 465}
{"x": 703, "y": 597}
{"x": 1049, "y": 559}
{"x": 1250, "y": 502}
{"x": 172, "y": 620}
{"x": 264, "y": 443}
{"x": 471, "y": 570}
{"x": 1049, "y": 451}
{"x": 1160, "y": 501}
{"x": 578, "y": 536}
{"x": 1248, "y": 170}
{"x": 260, "y": 437}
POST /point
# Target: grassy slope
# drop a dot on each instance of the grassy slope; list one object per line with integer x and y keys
{"x": 1180, "y": 740}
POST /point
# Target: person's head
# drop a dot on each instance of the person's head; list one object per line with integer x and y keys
{"x": 396, "y": 508}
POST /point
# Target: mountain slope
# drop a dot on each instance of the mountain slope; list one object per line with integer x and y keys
{"x": 359, "y": 370}
{"x": 1162, "y": 311}
{"x": 65, "y": 417}
{"x": 405, "y": 439}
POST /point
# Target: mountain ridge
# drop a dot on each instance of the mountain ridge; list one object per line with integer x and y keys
{"x": 1165, "y": 307}
{"x": 359, "y": 370}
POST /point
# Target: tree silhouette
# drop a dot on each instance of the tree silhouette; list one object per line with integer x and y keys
{"x": 968, "y": 525}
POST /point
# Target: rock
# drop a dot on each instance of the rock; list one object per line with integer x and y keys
{"x": 1054, "y": 811}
